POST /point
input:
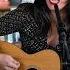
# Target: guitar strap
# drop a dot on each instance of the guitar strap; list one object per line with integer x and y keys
{"x": 62, "y": 39}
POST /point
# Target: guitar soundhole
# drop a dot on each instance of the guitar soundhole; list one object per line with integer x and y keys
{"x": 32, "y": 69}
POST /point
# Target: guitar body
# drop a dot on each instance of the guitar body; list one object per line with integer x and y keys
{"x": 43, "y": 60}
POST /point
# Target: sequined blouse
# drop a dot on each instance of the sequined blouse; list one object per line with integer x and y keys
{"x": 22, "y": 20}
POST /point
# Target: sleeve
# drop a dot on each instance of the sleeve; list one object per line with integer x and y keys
{"x": 9, "y": 23}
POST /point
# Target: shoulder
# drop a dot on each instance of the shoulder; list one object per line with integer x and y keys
{"x": 21, "y": 9}
{"x": 22, "y": 14}
{"x": 25, "y": 7}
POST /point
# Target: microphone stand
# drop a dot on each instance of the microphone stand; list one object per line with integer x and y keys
{"x": 62, "y": 39}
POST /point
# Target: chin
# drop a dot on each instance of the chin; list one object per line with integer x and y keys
{"x": 59, "y": 6}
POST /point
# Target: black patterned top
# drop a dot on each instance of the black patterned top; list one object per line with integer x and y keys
{"x": 21, "y": 20}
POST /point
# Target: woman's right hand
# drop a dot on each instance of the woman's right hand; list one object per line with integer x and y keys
{"x": 8, "y": 63}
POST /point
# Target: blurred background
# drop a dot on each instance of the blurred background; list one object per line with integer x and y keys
{"x": 5, "y": 7}
{"x": 8, "y": 5}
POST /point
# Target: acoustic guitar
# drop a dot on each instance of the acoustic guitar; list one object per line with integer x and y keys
{"x": 43, "y": 60}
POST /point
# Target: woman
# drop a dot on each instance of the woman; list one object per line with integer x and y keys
{"x": 36, "y": 26}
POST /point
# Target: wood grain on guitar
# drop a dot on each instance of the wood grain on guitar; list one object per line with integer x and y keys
{"x": 43, "y": 60}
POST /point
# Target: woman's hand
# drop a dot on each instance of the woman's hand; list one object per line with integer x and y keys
{"x": 8, "y": 63}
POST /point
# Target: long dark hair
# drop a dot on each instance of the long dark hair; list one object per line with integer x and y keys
{"x": 42, "y": 13}
{"x": 68, "y": 12}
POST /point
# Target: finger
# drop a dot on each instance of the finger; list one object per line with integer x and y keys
{"x": 14, "y": 61}
{"x": 12, "y": 65}
{"x": 9, "y": 68}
